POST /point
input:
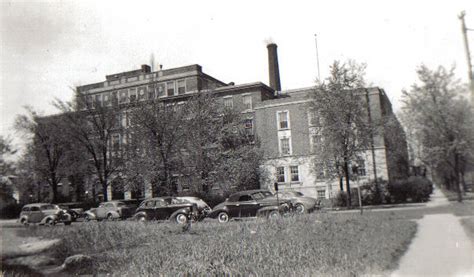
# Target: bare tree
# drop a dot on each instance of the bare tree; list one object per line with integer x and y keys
{"x": 96, "y": 127}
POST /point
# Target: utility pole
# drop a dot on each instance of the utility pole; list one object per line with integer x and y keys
{"x": 468, "y": 54}
{"x": 317, "y": 56}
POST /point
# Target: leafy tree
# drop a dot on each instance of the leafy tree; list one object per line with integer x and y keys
{"x": 197, "y": 140}
{"x": 48, "y": 146}
{"x": 155, "y": 144}
{"x": 221, "y": 152}
{"x": 441, "y": 123}
{"x": 7, "y": 168}
{"x": 343, "y": 122}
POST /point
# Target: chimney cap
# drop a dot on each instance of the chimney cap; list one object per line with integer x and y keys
{"x": 271, "y": 44}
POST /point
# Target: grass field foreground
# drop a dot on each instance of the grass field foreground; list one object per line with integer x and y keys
{"x": 316, "y": 244}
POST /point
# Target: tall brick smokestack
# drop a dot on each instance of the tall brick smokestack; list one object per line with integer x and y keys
{"x": 273, "y": 69}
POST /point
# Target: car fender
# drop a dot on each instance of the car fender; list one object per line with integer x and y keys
{"x": 141, "y": 213}
{"x": 23, "y": 217}
{"x": 46, "y": 218}
{"x": 114, "y": 214}
{"x": 186, "y": 211}
{"x": 90, "y": 214}
{"x": 66, "y": 217}
{"x": 263, "y": 211}
{"x": 216, "y": 212}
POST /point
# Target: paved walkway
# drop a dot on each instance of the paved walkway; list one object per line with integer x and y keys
{"x": 440, "y": 247}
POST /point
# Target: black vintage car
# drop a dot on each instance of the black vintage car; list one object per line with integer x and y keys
{"x": 177, "y": 209}
{"x": 251, "y": 203}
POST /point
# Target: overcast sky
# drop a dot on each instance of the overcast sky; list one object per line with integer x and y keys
{"x": 49, "y": 46}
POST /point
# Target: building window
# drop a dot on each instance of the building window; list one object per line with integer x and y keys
{"x": 114, "y": 98}
{"x": 321, "y": 193}
{"x": 106, "y": 99}
{"x": 181, "y": 86}
{"x": 170, "y": 88}
{"x": 280, "y": 174}
{"x": 295, "y": 177}
{"x": 316, "y": 141}
{"x": 320, "y": 172}
{"x": 124, "y": 120}
{"x": 123, "y": 96}
{"x": 151, "y": 92}
{"x": 228, "y": 102}
{"x": 141, "y": 93}
{"x": 361, "y": 167}
{"x": 248, "y": 126}
{"x": 313, "y": 118}
{"x": 116, "y": 142}
{"x": 285, "y": 146}
{"x": 247, "y": 100}
{"x": 161, "y": 89}
{"x": 98, "y": 100}
{"x": 133, "y": 95}
{"x": 283, "y": 122}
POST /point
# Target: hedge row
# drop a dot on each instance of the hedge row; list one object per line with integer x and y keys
{"x": 414, "y": 189}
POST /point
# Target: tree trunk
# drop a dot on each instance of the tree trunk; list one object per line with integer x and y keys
{"x": 54, "y": 187}
{"x": 463, "y": 182}
{"x": 104, "y": 191}
{"x": 348, "y": 186}
{"x": 456, "y": 177}
{"x": 341, "y": 183}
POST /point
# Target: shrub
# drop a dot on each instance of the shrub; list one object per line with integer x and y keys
{"x": 341, "y": 198}
{"x": 420, "y": 188}
{"x": 11, "y": 210}
{"x": 415, "y": 188}
{"x": 399, "y": 191}
{"x": 375, "y": 193}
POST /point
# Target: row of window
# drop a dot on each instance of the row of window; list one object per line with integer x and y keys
{"x": 325, "y": 172}
{"x": 287, "y": 174}
{"x": 122, "y": 96}
{"x": 246, "y": 101}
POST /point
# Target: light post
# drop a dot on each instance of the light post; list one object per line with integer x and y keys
{"x": 355, "y": 172}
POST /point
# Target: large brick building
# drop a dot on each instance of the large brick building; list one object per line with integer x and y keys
{"x": 280, "y": 119}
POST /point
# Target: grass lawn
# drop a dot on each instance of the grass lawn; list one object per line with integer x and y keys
{"x": 315, "y": 244}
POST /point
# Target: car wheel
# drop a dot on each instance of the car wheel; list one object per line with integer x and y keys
{"x": 300, "y": 209}
{"x": 87, "y": 218}
{"x": 110, "y": 217}
{"x": 141, "y": 218}
{"x": 24, "y": 222}
{"x": 181, "y": 219}
{"x": 67, "y": 223}
{"x": 273, "y": 215}
{"x": 50, "y": 222}
{"x": 223, "y": 217}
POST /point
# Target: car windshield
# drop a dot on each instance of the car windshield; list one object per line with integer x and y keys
{"x": 261, "y": 194}
{"x": 292, "y": 194}
{"x": 199, "y": 202}
{"x": 120, "y": 204}
{"x": 48, "y": 207}
{"x": 179, "y": 201}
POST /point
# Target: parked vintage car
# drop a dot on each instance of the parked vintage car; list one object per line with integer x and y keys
{"x": 73, "y": 208}
{"x": 177, "y": 209}
{"x": 44, "y": 213}
{"x": 302, "y": 204}
{"x": 251, "y": 203}
{"x": 109, "y": 210}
